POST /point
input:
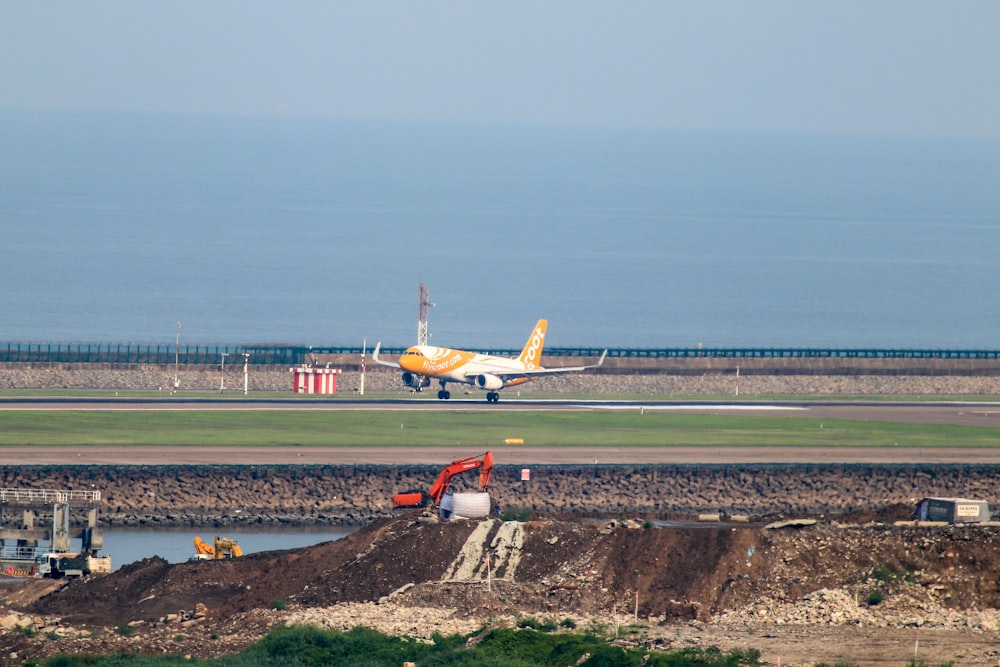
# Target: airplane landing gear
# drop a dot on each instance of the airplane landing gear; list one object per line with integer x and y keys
{"x": 444, "y": 394}
{"x": 493, "y": 397}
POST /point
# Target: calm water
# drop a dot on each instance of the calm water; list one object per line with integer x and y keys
{"x": 116, "y": 227}
{"x": 177, "y": 545}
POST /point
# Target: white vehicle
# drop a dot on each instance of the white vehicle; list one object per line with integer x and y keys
{"x": 56, "y": 565}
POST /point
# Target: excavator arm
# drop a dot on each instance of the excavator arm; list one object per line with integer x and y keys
{"x": 227, "y": 548}
{"x": 416, "y": 498}
{"x": 202, "y": 548}
{"x": 484, "y": 462}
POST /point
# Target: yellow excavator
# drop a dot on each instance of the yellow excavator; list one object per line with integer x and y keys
{"x": 224, "y": 548}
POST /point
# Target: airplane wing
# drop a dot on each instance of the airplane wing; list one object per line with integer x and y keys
{"x": 508, "y": 375}
{"x": 566, "y": 369}
{"x": 393, "y": 364}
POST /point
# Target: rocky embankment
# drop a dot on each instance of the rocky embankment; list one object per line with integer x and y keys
{"x": 804, "y": 379}
{"x": 355, "y": 495}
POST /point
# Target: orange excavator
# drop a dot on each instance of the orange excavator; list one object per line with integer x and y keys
{"x": 421, "y": 498}
{"x": 224, "y": 548}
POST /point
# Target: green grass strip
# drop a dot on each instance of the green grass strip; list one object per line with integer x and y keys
{"x": 458, "y": 428}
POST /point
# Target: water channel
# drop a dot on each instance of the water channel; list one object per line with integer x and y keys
{"x": 176, "y": 545}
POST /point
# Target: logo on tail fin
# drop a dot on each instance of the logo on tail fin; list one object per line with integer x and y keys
{"x": 531, "y": 355}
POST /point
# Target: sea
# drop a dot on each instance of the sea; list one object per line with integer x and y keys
{"x": 147, "y": 228}
{"x": 176, "y": 545}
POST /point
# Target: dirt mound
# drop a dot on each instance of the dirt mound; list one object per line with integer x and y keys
{"x": 565, "y": 568}
{"x": 589, "y": 566}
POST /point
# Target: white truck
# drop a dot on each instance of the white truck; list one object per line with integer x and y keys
{"x": 56, "y": 565}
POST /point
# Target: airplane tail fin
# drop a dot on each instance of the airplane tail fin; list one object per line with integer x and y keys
{"x": 531, "y": 355}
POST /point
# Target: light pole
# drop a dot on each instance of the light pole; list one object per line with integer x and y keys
{"x": 246, "y": 372}
{"x": 177, "y": 359}
{"x": 364, "y": 349}
{"x": 222, "y": 373}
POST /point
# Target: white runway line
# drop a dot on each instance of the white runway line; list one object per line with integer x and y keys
{"x": 729, "y": 407}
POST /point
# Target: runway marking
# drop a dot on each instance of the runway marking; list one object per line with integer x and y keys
{"x": 695, "y": 406}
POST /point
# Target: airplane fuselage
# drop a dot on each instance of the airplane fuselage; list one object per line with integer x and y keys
{"x": 458, "y": 366}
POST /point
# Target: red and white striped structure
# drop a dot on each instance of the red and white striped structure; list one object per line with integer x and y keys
{"x": 314, "y": 380}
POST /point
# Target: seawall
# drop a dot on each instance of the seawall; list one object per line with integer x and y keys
{"x": 666, "y": 380}
{"x": 356, "y": 494}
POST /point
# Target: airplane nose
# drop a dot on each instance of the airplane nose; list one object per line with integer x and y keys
{"x": 411, "y": 360}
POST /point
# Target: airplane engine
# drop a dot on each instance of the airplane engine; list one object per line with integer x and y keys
{"x": 414, "y": 381}
{"x": 487, "y": 381}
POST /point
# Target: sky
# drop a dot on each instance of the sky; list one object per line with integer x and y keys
{"x": 903, "y": 67}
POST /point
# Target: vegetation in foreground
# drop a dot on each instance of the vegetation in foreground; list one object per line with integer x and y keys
{"x": 363, "y": 647}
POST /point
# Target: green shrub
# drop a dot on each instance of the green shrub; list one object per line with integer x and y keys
{"x": 610, "y": 656}
{"x": 597, "y": 628}
{"x": 75, "y": 660}
{"x": 510, "y": 646}
{"x": 711, "y": 656}
{"x": 448, "y": 642}
{"x": 26, "y": 630}
{"x": 515, "y": 513}
{"x": 544, "y": 625}
{"x": 505, "y": 647}
{"x": 125, "y": 630}
{"x": 309, "y": 645}
{"x": 874, "y": 598}
{"x": 549, "y": 624}
{"x": 280, "y": 605}
{"x": 920, "y": 663}
{"x": 884, "y": 573}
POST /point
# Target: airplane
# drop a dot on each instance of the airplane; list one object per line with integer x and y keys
{"x": 420, "y": 363}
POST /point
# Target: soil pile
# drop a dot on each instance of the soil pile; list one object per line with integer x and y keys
{"x": 412, "y": 575}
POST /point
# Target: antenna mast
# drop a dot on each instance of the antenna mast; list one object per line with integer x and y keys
{"x": 425, "y": 305}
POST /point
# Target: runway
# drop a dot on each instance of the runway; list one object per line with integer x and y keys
{"x": 968, "y": 413}
{"x": 103, "y": 455}
{"x": 960, "y": 413}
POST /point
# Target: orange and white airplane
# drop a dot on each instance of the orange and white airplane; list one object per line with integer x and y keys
{"x": 420, "y": 363}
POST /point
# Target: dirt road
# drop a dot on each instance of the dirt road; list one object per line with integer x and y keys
{"x": 240, "y": 455}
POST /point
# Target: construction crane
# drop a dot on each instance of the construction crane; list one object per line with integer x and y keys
{"x": 420, "y": 498}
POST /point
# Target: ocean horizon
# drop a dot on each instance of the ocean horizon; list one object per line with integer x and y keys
{"x": 117, "y": 226}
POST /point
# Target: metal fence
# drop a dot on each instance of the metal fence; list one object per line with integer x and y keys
{"x": 295, "y": 355}
{"x": 31, "y": 496}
